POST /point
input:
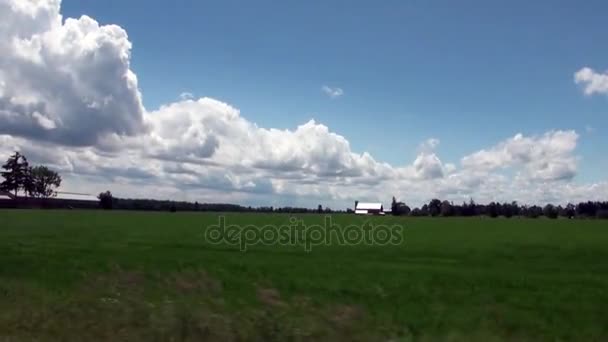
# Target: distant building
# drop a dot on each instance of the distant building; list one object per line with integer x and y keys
{"x": 6, "y": 200}
{"x": 5, "y": 196}
{"x": 61, "y": 200}
{"x": 369, "y": 208}
{"x": 74, "y": 196}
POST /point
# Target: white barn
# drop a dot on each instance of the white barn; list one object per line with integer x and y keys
{"x": 368, "y": 208}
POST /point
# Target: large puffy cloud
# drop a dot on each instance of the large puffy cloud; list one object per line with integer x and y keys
{"x": 67, "y": 82}
{"x": 211, "y": 131}
{"x": 546, "y": 157}
{"x": 427, "y": 164}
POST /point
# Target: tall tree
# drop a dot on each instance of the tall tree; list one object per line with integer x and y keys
{"x": 401, "y": 209}
{"x": 43, "y": 181}
{"x": 106, "y": 201}
{"x": 492, "y": 210}
{"x": 434, "y": 207}
{"x": 447, "y": 209}
{"x": 550, "y": 211}
{"x": 16, "y": 174}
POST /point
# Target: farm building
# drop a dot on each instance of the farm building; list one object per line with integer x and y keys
{"x": 362, "y": 208}
{"x": 61, "y": 200}
{"x": 5, "y": 195}
{"x": 6, "y": 200}
{"x": 73, "y": 196}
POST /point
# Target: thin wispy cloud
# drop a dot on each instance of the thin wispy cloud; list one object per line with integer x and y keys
{"x": 332, "y": 92}
{"x": 186, "y": 96}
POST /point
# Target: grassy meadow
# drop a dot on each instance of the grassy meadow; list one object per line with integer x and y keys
{"x": 151, "y": 276}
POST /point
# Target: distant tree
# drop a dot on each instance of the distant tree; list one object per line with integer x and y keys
{"x": 550, "y": 211}
{"x": 400, "y": 209}
{"x": 16, "y": 174}
{"x": 468, "y": 209}
{"x": 535, "y": 211}
{"x": 447, "y": 209}
{"x": 587, "y": 209}
{"x": 424, "y": 211}
{"x": 172, "y": 208}
{"x": 434, "y": 207}
{"x": 569, "y": 211}
{"x": 507, "y": 211}
{"x": 515, "y": 210}
{"x": 320, "y": 209}
{"x": 492, "y": 209}
{"x": 42, "y": 182}
{"x": 106, "y": 201}
{"x": 417, "y": 212}
{"x": 602, "y": 214}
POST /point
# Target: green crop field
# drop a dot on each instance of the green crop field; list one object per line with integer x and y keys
{"x": 137, "y": 276}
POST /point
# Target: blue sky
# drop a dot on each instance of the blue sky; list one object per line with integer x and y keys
{"x": 469, "y": 76}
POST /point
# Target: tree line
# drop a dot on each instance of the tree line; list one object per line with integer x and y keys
{"x": 437, "y": 207}
{"x": 108, "y": 201}
{"x": 35, "y": 181}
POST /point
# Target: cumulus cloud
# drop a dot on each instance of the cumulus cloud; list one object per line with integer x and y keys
{"x": 593, "y": 82}
{"x": 207, "y": 129}
{"x": 64, "y": 81}
{"x": 428, "y": 166}
{"x": 332, "y": 92}
{"x": 546, "y": 157}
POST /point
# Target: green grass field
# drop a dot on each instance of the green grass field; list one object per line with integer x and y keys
{"x": 94, "y": 275}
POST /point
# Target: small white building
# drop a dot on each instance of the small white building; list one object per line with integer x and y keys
{"x": 363, "y": 208}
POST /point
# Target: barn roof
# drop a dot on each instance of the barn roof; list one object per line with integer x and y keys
{"x": 368, "y": 206}
{"x": 75, "y": 196}
{"x": 5, "y": 196}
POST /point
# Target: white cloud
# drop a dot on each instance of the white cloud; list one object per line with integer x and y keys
{"x": 332, "y": 92}
{"x": 546, "y": 157}
{"x": 69, "y": 99}
{"x": 593, "y": 82}
{"x": 186, "y": 96}
{"x": 429, "y": 145}
{"x": 214, "y": 131}
{"x": 68, "y": 82}
{"x": 428, "y": 166}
